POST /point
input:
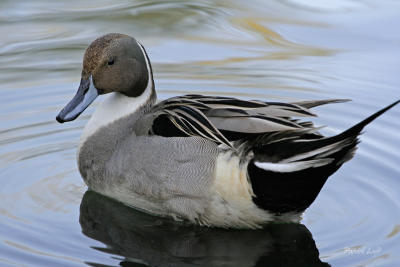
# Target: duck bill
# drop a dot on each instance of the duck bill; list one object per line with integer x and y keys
{"x": 86, "y": 94}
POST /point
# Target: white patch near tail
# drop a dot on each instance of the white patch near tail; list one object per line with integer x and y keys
{"x": 232, "y": 204}
{"x": 292, "y": 166}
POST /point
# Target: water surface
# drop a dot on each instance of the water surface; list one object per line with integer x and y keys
{"x": 274, "y": 50}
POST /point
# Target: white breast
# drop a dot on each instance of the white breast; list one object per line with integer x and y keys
{"x": 114, "y": 107}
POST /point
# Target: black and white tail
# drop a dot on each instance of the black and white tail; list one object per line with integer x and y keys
{"x": 288, "y": 170}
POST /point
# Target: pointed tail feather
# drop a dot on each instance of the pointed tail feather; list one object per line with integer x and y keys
{"x": 346, "y": 140}
{"x": 356, "y": 129}
{"x": 350, "y": 134}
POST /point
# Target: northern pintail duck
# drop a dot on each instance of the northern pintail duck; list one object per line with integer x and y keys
{"x": 215, "y": 161}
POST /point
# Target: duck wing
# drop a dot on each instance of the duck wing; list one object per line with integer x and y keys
{"x": 226, "y": 119}
{"x": 187, "y": 118}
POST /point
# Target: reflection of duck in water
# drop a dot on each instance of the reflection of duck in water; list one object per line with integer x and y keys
{"x": 216, "y": 161}
{"x": 140, "y": 237}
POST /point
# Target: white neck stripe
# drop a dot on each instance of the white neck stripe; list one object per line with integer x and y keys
{"x": 150, "y": 82}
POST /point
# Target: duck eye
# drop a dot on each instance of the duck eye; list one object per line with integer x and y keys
{"x": 110, "y": 62}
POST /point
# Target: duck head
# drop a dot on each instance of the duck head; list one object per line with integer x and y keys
{"x": 112, "y": 63}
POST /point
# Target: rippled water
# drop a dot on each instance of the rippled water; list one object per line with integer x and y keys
{"x": 275, "y": 50}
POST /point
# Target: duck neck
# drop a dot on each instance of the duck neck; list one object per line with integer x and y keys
{"x": 111, "y": 123}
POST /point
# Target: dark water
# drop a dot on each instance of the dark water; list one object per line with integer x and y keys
{"x": 273, "y": 50}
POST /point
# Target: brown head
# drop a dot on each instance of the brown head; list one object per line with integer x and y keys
{"x": 112, "y": 63}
